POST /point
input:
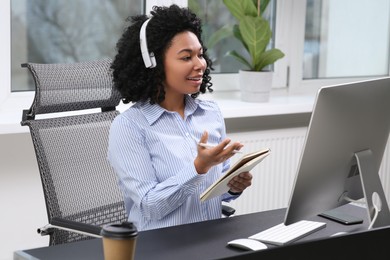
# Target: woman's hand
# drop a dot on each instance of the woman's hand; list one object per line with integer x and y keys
{"x": 209, "y": 157}
{"x": 239, "y": 183}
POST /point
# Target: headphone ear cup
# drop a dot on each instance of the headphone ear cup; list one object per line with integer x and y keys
{"x": 149, "y": 59}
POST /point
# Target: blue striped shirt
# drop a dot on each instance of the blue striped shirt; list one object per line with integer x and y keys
{"x": 152, "y": 150}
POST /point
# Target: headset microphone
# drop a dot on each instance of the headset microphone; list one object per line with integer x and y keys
{"x": 149, "y": 59}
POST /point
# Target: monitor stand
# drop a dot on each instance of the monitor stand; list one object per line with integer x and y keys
{"x": 372, "y": 189}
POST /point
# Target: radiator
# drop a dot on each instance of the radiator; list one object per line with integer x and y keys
{"x": 274, "y": 177}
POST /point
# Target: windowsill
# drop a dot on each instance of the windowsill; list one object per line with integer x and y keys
{"x": 280, "y": 103}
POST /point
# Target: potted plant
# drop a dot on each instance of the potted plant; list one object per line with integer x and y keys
{"x": 254, "y": 32}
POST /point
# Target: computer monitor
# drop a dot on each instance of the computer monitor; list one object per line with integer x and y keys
{"x": 343, "y": 149}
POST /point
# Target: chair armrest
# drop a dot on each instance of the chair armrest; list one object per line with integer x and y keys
{"x": 227, "y": 211}
{"x": 71, "y": 226}
{"x": 91, "y": 230}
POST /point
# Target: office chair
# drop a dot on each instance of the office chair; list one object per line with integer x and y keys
{"x": 79, "y": 185}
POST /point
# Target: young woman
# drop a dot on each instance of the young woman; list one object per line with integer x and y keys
{"x": 154, "y": 145}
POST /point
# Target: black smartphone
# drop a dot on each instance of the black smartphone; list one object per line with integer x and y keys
{"x": 341, "y": 217}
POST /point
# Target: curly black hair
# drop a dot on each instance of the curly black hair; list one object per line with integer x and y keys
{"x": 131, "y": 78}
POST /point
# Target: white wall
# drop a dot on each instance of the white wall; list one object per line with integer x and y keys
{"x": 5, "y": 50}
{"x": 21, "y": 197}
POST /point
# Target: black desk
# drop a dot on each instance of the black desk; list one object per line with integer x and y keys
{"x": 207, "y": 240}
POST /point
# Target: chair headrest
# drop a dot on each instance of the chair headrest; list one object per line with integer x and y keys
{"x": 64, "y": 87}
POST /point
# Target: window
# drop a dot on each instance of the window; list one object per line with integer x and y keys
{"x": 337, "y": 41}
{"x": 325, "y": 42}
{"x": 56, "y": 31}
{"x": 346, "y": 44}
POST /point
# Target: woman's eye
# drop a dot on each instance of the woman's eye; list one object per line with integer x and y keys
{"x": 187, "y": 58}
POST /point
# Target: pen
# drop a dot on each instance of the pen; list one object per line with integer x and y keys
{"x": 212, "y": 146}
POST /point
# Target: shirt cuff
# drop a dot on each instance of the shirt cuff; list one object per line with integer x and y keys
{"x": 234, "y": 193}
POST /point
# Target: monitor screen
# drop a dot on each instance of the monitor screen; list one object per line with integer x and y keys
{"x": 343, "y": 150}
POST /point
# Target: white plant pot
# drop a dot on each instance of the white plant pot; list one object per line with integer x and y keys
{"x": 255, "y": 85}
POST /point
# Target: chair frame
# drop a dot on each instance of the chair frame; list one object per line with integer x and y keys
{"x": 57, "y": 90}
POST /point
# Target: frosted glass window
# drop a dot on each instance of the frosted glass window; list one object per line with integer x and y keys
{"x": 346, "y": 38}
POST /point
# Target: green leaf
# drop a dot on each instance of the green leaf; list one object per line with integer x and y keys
{"x": 240, "y": 8}
{"x": 238, "y": 36}
{"x": 239, "y": 58}
{"x": 256, "y": 33}
{"x": 253, "y": 32}
{"x": 222, "y": 33}
{"x": 267, "y": 58}
{"x": 237, "y": 33}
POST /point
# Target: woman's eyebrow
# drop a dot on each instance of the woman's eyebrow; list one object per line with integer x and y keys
{"x": 188, "y": 50}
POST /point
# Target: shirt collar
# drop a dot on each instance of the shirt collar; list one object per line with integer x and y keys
{"x": 155, "y": 111}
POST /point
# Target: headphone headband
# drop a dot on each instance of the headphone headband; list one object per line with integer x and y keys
{"x": 149, "y": 59}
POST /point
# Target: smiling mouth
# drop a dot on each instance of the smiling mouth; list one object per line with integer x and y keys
{"x": 195, "y": 79}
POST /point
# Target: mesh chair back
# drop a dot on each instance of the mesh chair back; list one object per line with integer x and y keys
{"x": 78, "y": 182}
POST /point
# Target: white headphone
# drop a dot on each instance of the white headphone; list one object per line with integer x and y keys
{"x": 149, "y": 59}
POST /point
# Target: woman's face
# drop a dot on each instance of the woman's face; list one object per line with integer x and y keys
{"x": 184, "y": 65}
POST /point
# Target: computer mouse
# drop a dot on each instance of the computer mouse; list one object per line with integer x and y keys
{"x": 247, "y": 244}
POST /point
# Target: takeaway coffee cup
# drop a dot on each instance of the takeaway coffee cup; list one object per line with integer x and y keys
{"x": 119, "y": 241}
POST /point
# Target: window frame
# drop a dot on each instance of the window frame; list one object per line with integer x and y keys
{"x": 295, "y": 38}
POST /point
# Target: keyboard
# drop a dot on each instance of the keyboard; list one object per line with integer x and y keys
{"x": 282, "y": 234}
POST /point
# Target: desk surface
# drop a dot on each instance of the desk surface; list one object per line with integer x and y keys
{"x": 203, "y": 240}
